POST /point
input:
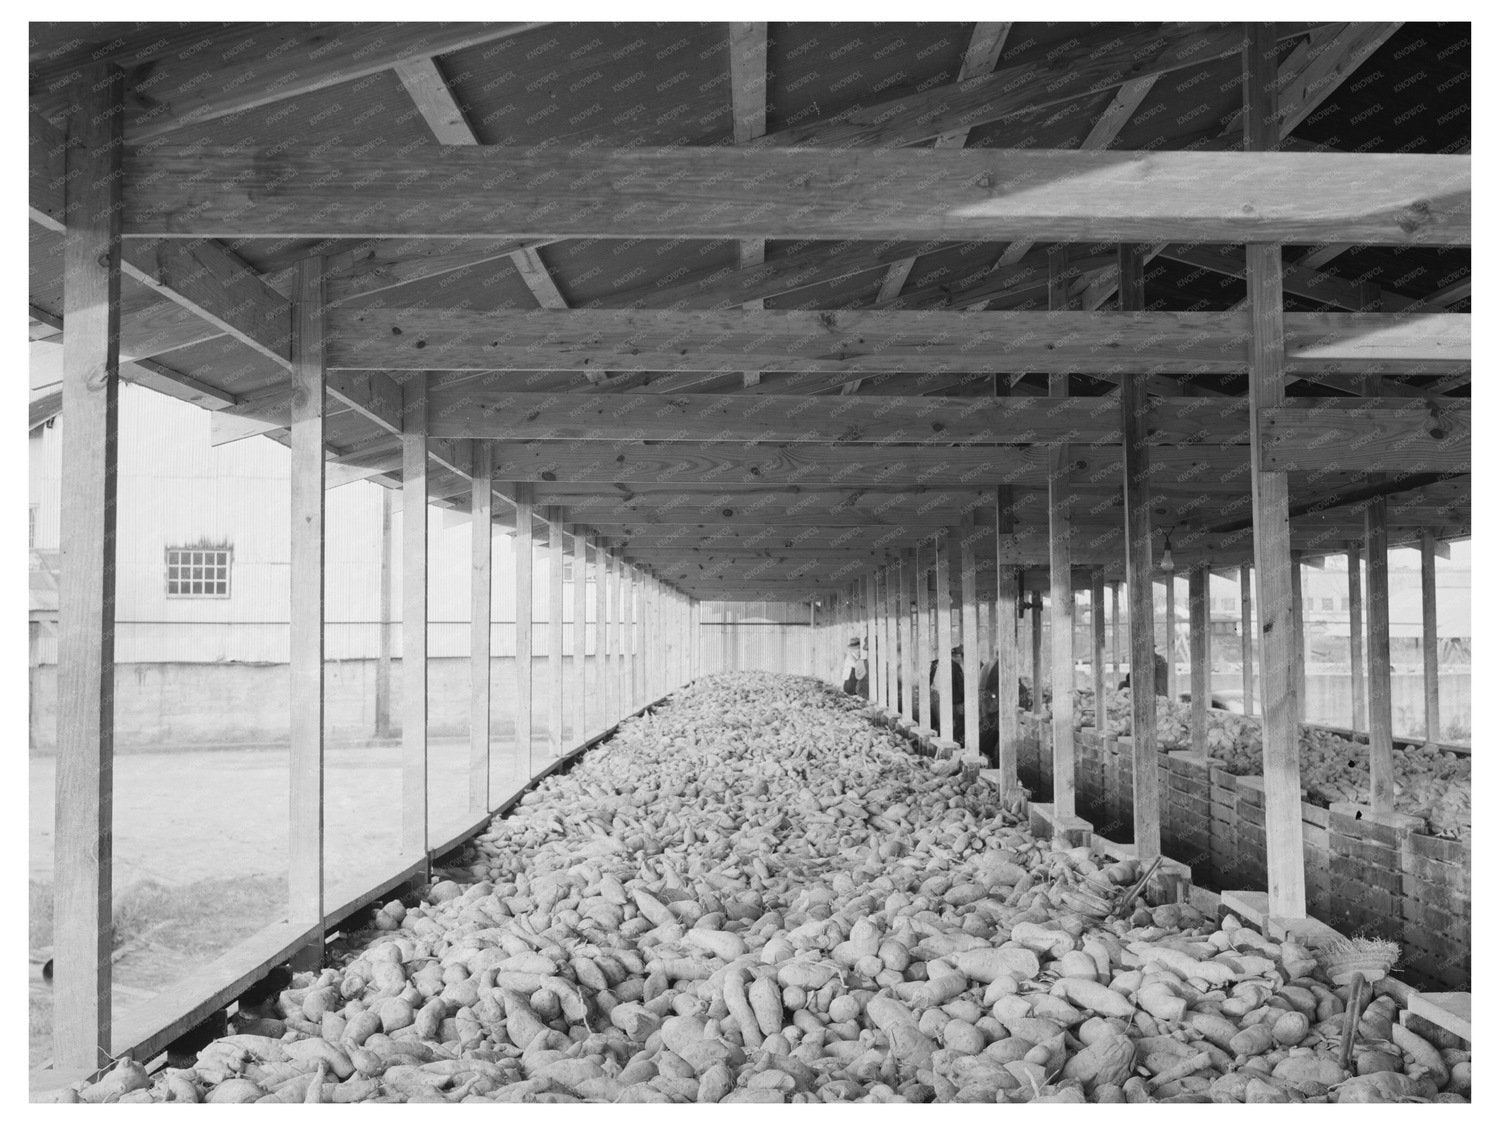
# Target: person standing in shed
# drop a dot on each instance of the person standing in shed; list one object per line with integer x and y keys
{"x": 855, "y": 674}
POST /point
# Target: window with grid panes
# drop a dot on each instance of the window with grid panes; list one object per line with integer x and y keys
{"x": 195, "y": 572}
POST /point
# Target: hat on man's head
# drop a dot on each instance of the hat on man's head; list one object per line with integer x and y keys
{"x": 958, "y": 650}
{"x": 854, "y": 642}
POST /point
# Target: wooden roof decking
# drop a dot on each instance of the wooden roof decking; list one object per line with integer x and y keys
{"x": 827, "y": 257}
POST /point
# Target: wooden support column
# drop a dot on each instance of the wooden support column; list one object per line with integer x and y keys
{"x": 1114, "y": 628}
{"x": 882, "y": 611}
{"x": 1382, "y": 760}
{"x": 523, "y": 547}
{"x": 944, "y": 609}
{"x": 1170, "y": 583}
{"x": 305, "y": 843}
{"x": 1096, "y": 624}
{"x": 554, "y": 634}
{"x": 414, "y": 617}
{"x": 578, "y": 704}
{"x": 82, "y": 920}
{"x": 892, "y": 634}
{"x": 600, "y": 697}
{"x": 633, "y": 635}
{"x": 1060, "y": 573}
{"x": 1299, "y": 642}
{"x": 925, "y": 718}
{"x": 1198, "y": 656}
{"x": 1286, "y": 883}
{"x": 383, "y": 660}
{"x": 1358, "y": 711}
{"x": 1138, "y": 565}
{"x": 1037, "y": 706}
{"x": 481, "y": 574}
{"x": 969, "y": 619}
{"x": 608, "y": 615}
{"x": 872, "y": 635}
{"x": 1247, "y": 642}
{"x": 911, "y": 580}
{"x": 1007, "y": 641}
{"x": 1430, "y": 637}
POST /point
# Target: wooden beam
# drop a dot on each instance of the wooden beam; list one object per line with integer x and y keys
{"x": 1430, "y": 639}
{"x": 1390, "y": 435}
{"x": 969, "y": 621}
{"x": 921, "y": 678}
{"x": 1136, "y": 457}
{"x": 608, "y": 595}
{"x": 1382, "y": 762}
{"x": 305, "y": 838}
{"x": 747, "y": 78}
{"x": 1247, "y": 643}
{"x": 986, "y": 42}
{"x": 414, "y": 474}
{"x": 1299, "y": 640}
{"x": 1200, "y": 656}
{"x": 1286, "y": 883}
{"x": 274, "y": 63}
{"x": 434, "y": 100}
{"x": 988, "y": 194}
{"x": 1169, "y": 627}
{"x": 1357, "y": 717}
{"x": 1037, "y": 692}
{"x": 943, "y": 607}
{"x": 556, "y": 683}
{"x": 912, "y": 593}
{"x": 1096, "y": 663}
{"x": 83, "y": 810}
{"x": 863, "y": 341}
{"x": 1060, "y": 566}
{"x": 481, "y": 571}
{"x": 523, "y": 596}
{"x": 578, "y": 683}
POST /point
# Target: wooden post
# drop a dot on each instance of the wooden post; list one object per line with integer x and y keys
{"x": 911, "y": 581}
{"x": 880, "y": 681}
{"x": 1357, "y": 710}
{"x": 1247, "y": 642}
{"x": 1138, "y": 567}
{"x": 305, "y": 840}
{"x": 608, "y": 683}
{"x": 1060, "y": 572}
{"x": 1037, "y": 705}
{"x": 414, "y": 617}
{"x": 1430, "y": 637}
{"x": 1299, "y": 643}
{"x": 1382, "y": 761}
{"x": 944, "y": 609}
{"x": 554, "y": 634}
{"x": 925, "y": 718}
{"x": 1198, "y": 655}
{"x": 481, "y": 574}
{"x": 82, "y": 929}
{"x": 969, "y": 620}
{"x": 383, "y": 661}
{"x": 579, "y": 705}
{"x": 1286, "y": 883}
{"x": 1114, "y": 627}
{"x": 1007, "y": 646}
{"x": 1096, "y": 624}
{"x": 523, "y": 625}
{"x": 601, "y": 629}
{"x": 1170, "y": 582}
{"x": 892, "y": 635}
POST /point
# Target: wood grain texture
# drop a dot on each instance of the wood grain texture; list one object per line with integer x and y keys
{"x": 1286, "y": 880}
{"x": 481, "y": 611}
{"x": 1043, "y": 195}
{"x": 1382, "y": 763}
{"x": 885, "y": 340}
{"x": 521, "y": 704}
{"x": 1389, "y": 435}
{"x": 305, "y": 838}
{"x": 414, "y": 498}
{"x": 1299, "y": 639}
{"x": 82, "y": 860}
{"x": 1060, "y": 566}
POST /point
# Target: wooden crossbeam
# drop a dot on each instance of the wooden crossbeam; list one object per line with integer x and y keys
{"x": 859, "y": 341}
{"x": 1380, "y": 199}
{"x": 1406, "y": 434}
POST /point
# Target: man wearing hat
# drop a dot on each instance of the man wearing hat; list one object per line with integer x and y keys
{"x": 855, "y": 674}
{"x": 955, "y": 684}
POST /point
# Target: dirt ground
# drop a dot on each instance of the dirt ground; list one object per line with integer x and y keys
{"x": 200, "y": 848}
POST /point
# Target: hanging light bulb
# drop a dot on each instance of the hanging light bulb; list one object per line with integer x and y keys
{"x": 1166, "y": 554}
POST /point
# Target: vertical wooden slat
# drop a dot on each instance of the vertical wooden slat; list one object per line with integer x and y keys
{"x": 604, "y": 595}
{"x": 83, "y": 852}
{"x": 1114, "y": 628}
{"x": 911, "y": 675}
{"x": 1285, "y": 877}
{"x": 877, "y": 631}
{"x": 1170, "y": 629}
{"x": 629, "y": 635}
{"x": 1198, "y": 656}
{"x": 925, "y": 718}
{"x": 1138, "y": 567}
{"x": 481, "y": 571}
{"x": 1358, "y": 709}
{"x": 523, "y": 547}
{"x": 554, "y": 634}
{"x": 1382, "y": 764}
{"x": 1037, "y": 692}
{"x": 1007, "y": 637}
{"x": 1430, "y": 637}
{"x": 969, "y": 621}
{"x": 943, "y": 607}
{"x": 305, "y": 772}
{"x": 892, "y": 633}
{"x": 580, "y": 681}
{"x": 1060, "y": 572}
{"x": 414, "y": 618}
{"x": 1096, "y": 625}
{"x": 1247, "y": 642}
{"x": 383, "y": 660}
{"x": 1299, "y": 641}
